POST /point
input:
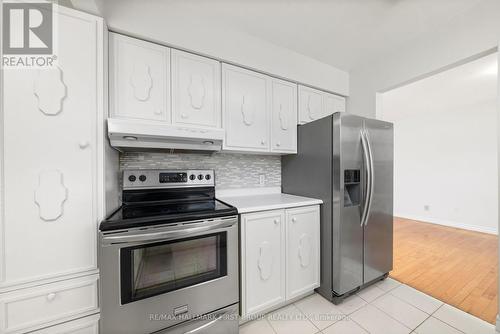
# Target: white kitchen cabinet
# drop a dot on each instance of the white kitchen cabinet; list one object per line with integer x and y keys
{"x": 245, "y": 109}
{"x": 333, "y": 103}
{"x": 263, "y": 264}
{"x": 87, "y": 325}
{"x": 302, "y": 250}
{"x": 315, "y": 104}
{"x": 280, "y": 257}
{"x": 139, "y": 79}
{"x": 53, "y": 159}
{"x": 195, "y": 90}
{"x": 310, "y": 104}
{"x": 284, "y": 117}
{"x": 29, "y": 309}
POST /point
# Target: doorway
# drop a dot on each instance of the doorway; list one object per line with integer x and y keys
{"x": 445, "y": 185}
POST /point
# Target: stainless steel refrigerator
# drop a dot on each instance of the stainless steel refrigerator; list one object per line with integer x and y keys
{"x": 347, "y": 161}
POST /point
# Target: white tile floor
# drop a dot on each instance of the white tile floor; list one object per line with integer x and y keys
{"x": 386, "y": 307}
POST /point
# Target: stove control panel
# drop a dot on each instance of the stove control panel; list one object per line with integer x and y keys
{"x": 155, "y": 178}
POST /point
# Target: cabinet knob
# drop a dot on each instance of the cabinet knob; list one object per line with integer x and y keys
{"x": 263, "y": 142}
{"x": 158, "y": 112}
{"x": 83, "y": 144}
{"x": 278, "y": 144}
{"x": 276, "y": 221}
{"x": 51, "y": 296}
{"x": 294, "y": 220}
{"x": 184, "y": 115}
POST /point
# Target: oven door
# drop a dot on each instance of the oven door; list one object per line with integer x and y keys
{"x": 158, "y": 277}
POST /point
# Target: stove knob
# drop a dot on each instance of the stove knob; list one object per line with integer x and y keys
{"x": 132, "y": 178}
{"x": 142, "y": 178}
{"x": 192, "y": 177}
{"x": 200, "y": 177}
{"x": 208, "y": 177}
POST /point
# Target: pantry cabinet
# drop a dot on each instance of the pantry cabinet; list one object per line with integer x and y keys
{"x": 245, "y": 109}
{"x": 51, "y": 190}
{"x": 263, "y": 251}
{"x": 52, "y": 181}
{"x": 284, "y": 117}
{"x": 315, "y": 104}
{"x": 280, "y": 257}
{"x": 139, "y": 79}
{"x": 195, "y": 90}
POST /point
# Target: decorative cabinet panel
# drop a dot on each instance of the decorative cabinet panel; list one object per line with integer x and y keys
{"x": 280, "y": 257}
{"x": 315, "y": 104}
{"x": 139, "y": 79}
{"x": 29, "y": 309}
{"x": 333, "y": 103}
{"x": 52, "y": 139}
{"x": 195, "y": 90}
{"x": 263, "y": 267}
{"x": 310, "y": 104}
{"x": 302, "y": 249}
{"x": 245, "y": 109}
{"x": 284, "y": 117}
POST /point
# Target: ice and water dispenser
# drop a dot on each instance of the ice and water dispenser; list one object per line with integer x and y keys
{"x": 352, "y": 187}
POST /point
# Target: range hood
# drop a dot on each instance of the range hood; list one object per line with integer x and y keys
{"x": 126, "y": 134}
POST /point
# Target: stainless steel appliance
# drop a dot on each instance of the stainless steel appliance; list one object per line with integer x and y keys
{"x": 169, "y": 257}
{"x": 347, "y": 161}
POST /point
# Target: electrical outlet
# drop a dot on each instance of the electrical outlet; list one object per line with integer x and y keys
{"x": 262, "y": 179}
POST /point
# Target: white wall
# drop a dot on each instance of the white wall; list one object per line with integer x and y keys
{"x": 445, "y": 147}
{"x": 445, "y": 167}
{"x": 184, "y": 27}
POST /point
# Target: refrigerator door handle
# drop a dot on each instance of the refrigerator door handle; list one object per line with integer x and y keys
{"x": 371, "y": 178}
{"x": 366, "y": 160}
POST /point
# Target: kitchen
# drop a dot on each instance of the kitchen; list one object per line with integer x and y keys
{"x": 164, "y": 177}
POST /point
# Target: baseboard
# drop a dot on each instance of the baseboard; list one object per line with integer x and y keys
{"x": 448, "y": 223}
{"x": 497, "y": 326}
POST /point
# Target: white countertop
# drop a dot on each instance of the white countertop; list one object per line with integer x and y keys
{"x": 252, "y": 200}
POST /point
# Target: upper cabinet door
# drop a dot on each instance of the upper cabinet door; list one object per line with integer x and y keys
{"x": 310, "y": 104}
{"x": 333, "y": 103}
{"x": 139, "y": 77}
{"x": 245, "y": 106}
{"x": 284, "y": 117}
{"x": 195, "y": 90}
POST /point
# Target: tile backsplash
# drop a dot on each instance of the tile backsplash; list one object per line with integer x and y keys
{"x": 231, "y": 170}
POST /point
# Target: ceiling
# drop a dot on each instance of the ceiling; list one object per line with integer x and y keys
{"x": 342, "y": 33}
{"x": 468, "y": 85}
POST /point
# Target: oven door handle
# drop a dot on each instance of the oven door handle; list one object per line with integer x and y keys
{"x": 208, "y": 324}
{"x": 166, "y": 235}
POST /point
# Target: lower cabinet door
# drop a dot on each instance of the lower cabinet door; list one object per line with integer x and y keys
{"x": 87, "y": 325}
{"x": 263, "y": 265}
{"x": 302, "y": 250}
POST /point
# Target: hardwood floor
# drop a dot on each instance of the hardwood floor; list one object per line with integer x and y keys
{"x": 456, "y": 266}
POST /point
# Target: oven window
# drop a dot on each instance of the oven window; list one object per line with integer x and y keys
{"x": 154, "y": 269}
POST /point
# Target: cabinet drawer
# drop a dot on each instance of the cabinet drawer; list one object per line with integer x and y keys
{"x": 49, "y": 304}
{"x": 87, "y": 325}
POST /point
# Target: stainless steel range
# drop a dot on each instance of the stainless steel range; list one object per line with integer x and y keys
{"x": 169, "y": 257}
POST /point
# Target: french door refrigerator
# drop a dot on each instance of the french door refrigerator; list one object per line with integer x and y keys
{"x": 347, "y": 161}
